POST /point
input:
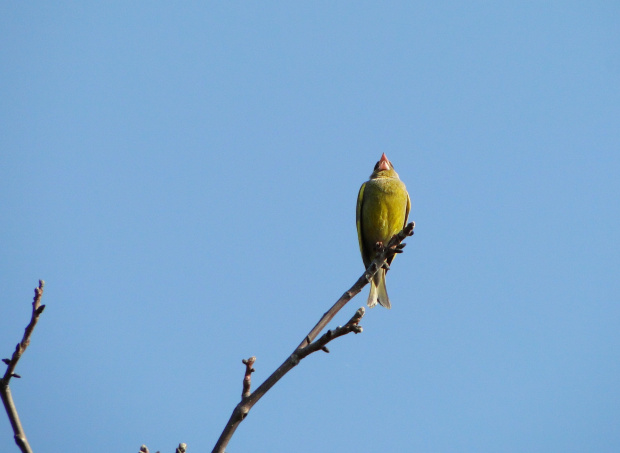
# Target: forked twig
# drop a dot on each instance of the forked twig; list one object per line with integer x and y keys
{"x": 308, "y": 345}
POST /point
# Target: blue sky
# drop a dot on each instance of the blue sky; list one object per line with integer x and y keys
{"x": 184, "y": 178}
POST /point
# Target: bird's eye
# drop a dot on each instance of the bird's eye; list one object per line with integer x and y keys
{"x": 377, "y": 166}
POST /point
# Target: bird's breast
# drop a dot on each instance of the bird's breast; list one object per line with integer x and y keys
{"x": 383, "y": 211}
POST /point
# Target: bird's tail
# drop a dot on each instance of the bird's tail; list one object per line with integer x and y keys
{"x": 378, "y": 291}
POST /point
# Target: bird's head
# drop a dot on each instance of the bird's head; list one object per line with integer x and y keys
{"x": 384, "y": 169}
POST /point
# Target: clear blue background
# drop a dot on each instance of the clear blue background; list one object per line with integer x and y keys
{"x": 184, "y": 178}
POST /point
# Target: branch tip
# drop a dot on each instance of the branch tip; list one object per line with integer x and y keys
{"x": 247, "y": 377}
{"x": 249, "y": 361}
{"x": 7, "y": 399}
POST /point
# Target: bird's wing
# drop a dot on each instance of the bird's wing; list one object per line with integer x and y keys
{"x": 407, "y": 210}
{"x": 358, "y": 222}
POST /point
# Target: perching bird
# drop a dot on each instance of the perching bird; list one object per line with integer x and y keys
{"x": 382, "y": 210}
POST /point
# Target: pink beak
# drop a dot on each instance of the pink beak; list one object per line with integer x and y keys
{"x": 384, "y": 163}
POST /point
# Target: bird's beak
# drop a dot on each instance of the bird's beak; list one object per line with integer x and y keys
{"x": 384, "y": 163}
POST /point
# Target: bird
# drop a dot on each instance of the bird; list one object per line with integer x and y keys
{"x": 383, "y": 207}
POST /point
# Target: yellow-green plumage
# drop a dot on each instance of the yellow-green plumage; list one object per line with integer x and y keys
{"x": 382, "y": 210}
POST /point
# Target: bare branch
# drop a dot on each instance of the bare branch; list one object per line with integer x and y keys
{"x": 383, "y": 255}
{"x": 306, "y": 347}
{"x": 5, "y": 391}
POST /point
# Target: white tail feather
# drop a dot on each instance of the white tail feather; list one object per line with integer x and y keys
{"x": 378, "y": 291}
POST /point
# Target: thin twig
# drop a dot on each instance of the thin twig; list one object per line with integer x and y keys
{"x": 247, "y": 379}
{"x": 5, "y": 391}
{"x": 307, "y": 346}
{"x": 320, "y": 345}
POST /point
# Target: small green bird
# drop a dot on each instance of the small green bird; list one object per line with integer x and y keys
{"x": 382, "y": 210}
